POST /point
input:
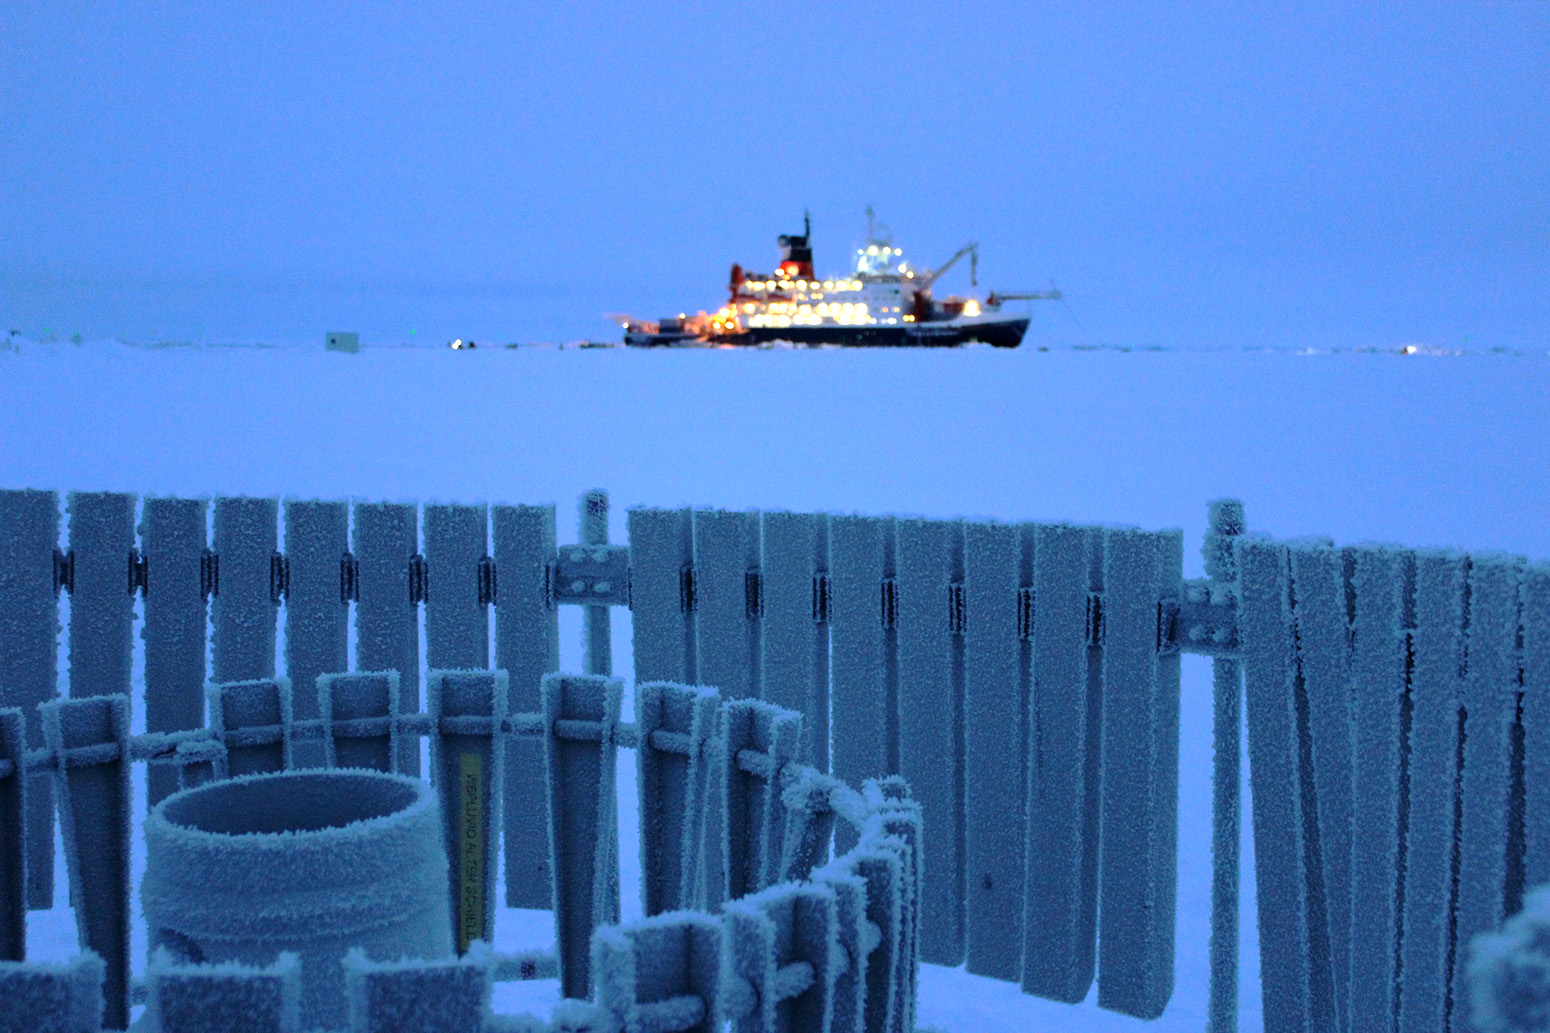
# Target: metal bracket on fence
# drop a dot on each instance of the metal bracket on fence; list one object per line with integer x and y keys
{"x": 890, "y": 603}
{"x": 957, "y": 609}
{"x": 279, "y": 577}
{"x": 1204, "y": 620}
{"x": 349, "y": 578}
{"x": 753, "y": 594}
{"x": 138, "y": 572}
{"x": 419, "y": 579}
{"x": 593, "y": 575}
{"x": 64, "y": 571}
{"x": 209, "y": 574}
{"x": 486, "y": 579}
{"x": 821, "y": 589}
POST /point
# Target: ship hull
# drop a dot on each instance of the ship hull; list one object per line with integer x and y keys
{"x": 1001, "y": 333}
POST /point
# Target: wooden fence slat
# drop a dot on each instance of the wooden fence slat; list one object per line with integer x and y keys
{"x": 582, "y": 816}
{"x": 360, "y": 696}
{"x": 200, "y": 996}
{"x": 1378, "y": 684}
{"x": 243, "y": 608}
{"x": 754, "y": 817}
{"x": 527, "y": 637}
{"x": 102, "y": 533}
{"x": 1490, "y": 698}
{"x": 1323, "y": 664}
{"x": 29, "y": 666}
{"x": 262, "y": 703}
{"x": 667, "y": 961}
{"x": 13, "y": 828}
{"x": 1434, "y": 742}
{"x": 387, "y": 621}
{"x": 466, "y": 769}
{"x": 795, "y": 634}
{"x": 996, "y": 703}
{"x": 94, "y": 814}
{"x": 661, "y": 557}
{"x": 726, "y": 551}
{"x": 317, "y": 615}
{"x": 1536, "y": 724}
{"x": 1062, "y": 859}
{"x": 1276, "y": 788}
{"x": 863, "y": 709}
{"x": 929, "y": 561}
{"x": 1140, "y": 795}
{"x": 173, "y": 537}
{"x": 777, "y": 927}
{"x": 457, "y": 635}
{"x": 673, "y": 789}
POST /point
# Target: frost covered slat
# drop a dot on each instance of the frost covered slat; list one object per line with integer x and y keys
{"x": 252, "y": 710}
{"x": 1536, "y": 724}
{"x": 1276, "y": 789}
{"x": 243, "y": 611}
{"x": 387, "y": 623}
{"x": 1323, "y": 659}
{"x": 1378, "y": 684}
{"x": 317, "y": 536}
{"x": 440, "y": 995}
{"x": 672, "y": 788}
{"x": 527, "y": 647}
{"x": 995, "y": 731}
{"x": 665, "y": 965}
{"x": 929, "y": 563}
{"x": 94, "y": 822}
{"x": 172, "y": 538}
{"x": 582, "y": 813}
{"x": 196, "y": 998}
{"x": 863, "y": 720}
{"x": 881, "y": 872}
{"x": 29, "y": 666}
{"x": 366, "y": 696}
{"x": 853, "y": 938}
{"x": 795, "y": 632}
{"x": 759, "y": 740}
{"x": 726, "y": 552}
{"x": 102, "y": 533}
{"x": 13, "y": 864}
{"x": 466, "y": 769}
{"x": 1139, "y": 871}
{"x": 62, "y": 996}
{"x": 781, "y": 945}
{"x": 896, "y": 824}
{"x": 1062, "y": 861}
{"x": 1434, "y": 743}
{"x": 457, "y": 634}
{"x": 661, "y": 594}
{"x": 1490, "y": 697}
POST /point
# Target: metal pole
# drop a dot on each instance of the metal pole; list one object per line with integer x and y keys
{"x": 1226, "y": 523}
{"x": 596, "y": 641}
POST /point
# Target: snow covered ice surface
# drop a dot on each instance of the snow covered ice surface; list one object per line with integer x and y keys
{"x": 1418, "y": 450}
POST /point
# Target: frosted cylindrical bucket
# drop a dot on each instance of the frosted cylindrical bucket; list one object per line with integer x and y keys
{"x": 314, "y": 861}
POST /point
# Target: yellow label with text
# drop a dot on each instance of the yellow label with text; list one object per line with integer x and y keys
{"x": 470, "y": 924}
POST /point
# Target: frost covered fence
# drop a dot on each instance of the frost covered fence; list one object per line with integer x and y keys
{"x": 1398, "y": 710}
{"x": 806, "y": 943}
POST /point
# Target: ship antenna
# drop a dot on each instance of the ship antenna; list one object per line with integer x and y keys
{"x": 807, "y": 224}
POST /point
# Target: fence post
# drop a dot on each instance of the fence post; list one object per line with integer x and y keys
{"x": 30, "y": 581}
{"x": 675, "y": 725}
{"x": 1226, "y": 522}
{"x": 895, "y": 820}
{"x": 467, "y": 710}
{"x": 252, "y": 719}
{"x": 793, "y": 587}
{"x": 368, "y": 700}
{"x": 780, "y": 949}
{"x": 758, "y": 740}
{"x": 13, "y": 836}
{"x": 90, "y": 742}
{"x": 457, "y": 633}
{"x": 662, "y": 973}
{"x": 856, "y": 938}
{"x": 102, "y": 536}
{"x": 581, "y": 715}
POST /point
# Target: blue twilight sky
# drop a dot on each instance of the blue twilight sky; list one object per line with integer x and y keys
{"x": 1192, "y": 175}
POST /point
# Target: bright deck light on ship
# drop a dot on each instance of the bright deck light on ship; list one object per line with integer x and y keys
{"x": 828, "y": 285}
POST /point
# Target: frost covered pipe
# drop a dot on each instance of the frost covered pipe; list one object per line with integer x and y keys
{"x": 314, "y": 862}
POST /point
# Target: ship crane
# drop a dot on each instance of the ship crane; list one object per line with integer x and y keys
{"x": 972, "y": 249}
{"x": 995, "y": 298}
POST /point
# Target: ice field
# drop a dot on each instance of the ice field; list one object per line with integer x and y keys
{"x": 1411, "y": 449}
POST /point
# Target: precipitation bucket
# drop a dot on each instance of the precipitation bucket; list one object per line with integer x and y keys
{"x": 313, "y": 861}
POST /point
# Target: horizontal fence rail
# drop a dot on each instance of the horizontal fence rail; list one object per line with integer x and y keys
{"x": 1023, "y": 678}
